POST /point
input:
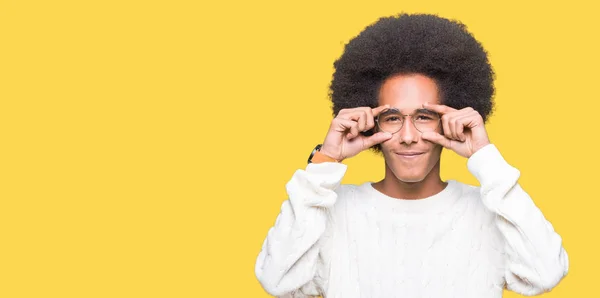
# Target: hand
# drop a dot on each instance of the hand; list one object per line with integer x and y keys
{"x": 464, "y": 130}
{"x": 344, "y": 139}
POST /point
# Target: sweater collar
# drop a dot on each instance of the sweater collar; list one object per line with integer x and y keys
{"x": 441, "y": 200}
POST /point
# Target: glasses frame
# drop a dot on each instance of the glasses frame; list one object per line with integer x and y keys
{"x": 403, "y": 116}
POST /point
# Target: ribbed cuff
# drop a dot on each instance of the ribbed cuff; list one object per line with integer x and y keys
{"x": 329, "y": 174}
{"x": 488, "y": 165}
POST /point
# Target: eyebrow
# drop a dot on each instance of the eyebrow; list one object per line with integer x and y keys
{"x": 417, "y": 111}
{"x": 425, "y": 111}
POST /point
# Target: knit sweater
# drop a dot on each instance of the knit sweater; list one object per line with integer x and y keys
{"x": 345, "y": 240}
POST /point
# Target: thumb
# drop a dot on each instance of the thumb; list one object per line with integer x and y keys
{"x": 377, "y": 138}
{"x": 437, "y": 138}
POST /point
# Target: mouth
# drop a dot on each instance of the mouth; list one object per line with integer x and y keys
{"x": 409, "y": 155}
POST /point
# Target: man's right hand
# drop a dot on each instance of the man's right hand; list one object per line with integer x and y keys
{"x": 344, "y": 139}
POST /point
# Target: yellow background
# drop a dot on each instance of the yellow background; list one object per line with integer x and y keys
{"x": 146, "y": 144}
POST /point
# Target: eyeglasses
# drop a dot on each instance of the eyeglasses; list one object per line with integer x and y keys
{"x": 391, "y": 120}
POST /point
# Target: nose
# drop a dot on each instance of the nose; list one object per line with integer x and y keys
{"x": 408, "y": 133}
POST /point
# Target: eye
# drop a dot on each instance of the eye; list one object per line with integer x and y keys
{"x": 392, "y": 119}
{"x": 424, "y": 117}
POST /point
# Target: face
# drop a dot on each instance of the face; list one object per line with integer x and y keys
{"x": 408, "y": 157}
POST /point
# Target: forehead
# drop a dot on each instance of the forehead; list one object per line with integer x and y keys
{"x": 408, "y": 92}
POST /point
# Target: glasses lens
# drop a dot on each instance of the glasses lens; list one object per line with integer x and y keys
{"x": 426, "y": 121}
{"x": 390, "y": 121}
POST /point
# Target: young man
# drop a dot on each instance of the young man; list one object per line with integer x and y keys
{"x": 406, "y": 87}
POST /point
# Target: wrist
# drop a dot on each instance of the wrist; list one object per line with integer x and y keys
{"x": 327, "y": 153}
{"x": 478, "y": 147}
{"x": 319, "y": 156}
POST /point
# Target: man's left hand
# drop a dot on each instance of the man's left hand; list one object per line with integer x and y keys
{"x": 464, "y": 130}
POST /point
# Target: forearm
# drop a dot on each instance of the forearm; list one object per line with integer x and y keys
{"x": 536, "y": 259}
{"x": 289, "y": 256}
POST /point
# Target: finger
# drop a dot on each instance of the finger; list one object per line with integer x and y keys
{"x": 460, "y": 123}
{"x": 464, "y": 122}
{"x": 379, "y": 109}
{"x": 362, "y": 120}
{"x": 460, "y": 128}
{"x": 474, "y": 119}
{"x": 468, "y": 122}
{"x": 351, "y": 129}
{"x": 446, "y": 126}
{"x": 352, "y": 114}
{"x": 339, "y": 124}
{"x": 457, "y": 127}
{"x": 344, "y": 125}
{"x": 442, "y": 109}
{"x": 452, "y": 126}
{"x": 453, "y": 120}
{"x": 377, "y": 138}
{"x": 357, "y": 114}
{"x": 437, "y": 138}
{"x": 370, "y": 119}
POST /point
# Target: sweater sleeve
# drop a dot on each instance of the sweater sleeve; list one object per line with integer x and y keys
{"x": 288, "y": 263}
{"x": 535, "y": 258}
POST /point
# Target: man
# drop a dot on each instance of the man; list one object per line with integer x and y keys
{"x": 406, "y": 87}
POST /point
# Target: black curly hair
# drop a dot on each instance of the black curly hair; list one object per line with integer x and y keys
{"x": 426, "y": 44}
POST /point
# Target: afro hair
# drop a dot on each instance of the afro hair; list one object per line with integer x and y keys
{"x": 426, "y": 44}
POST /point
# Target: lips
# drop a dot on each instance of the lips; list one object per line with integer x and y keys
{"x": 409, "y": 154}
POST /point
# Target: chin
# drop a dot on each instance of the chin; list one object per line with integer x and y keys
{"x": 410, "y": 178}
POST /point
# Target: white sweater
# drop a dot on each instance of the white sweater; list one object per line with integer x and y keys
{"x": 343, "y": 240}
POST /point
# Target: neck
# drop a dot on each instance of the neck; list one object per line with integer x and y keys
{"x": 395, "y": 188}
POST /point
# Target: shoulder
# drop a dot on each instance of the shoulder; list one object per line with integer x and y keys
{"x": 351, "y": 194}
{"x": 468, "y": 190}
{"x": 347, "y": 191}
{"x": 470, "y": 195}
